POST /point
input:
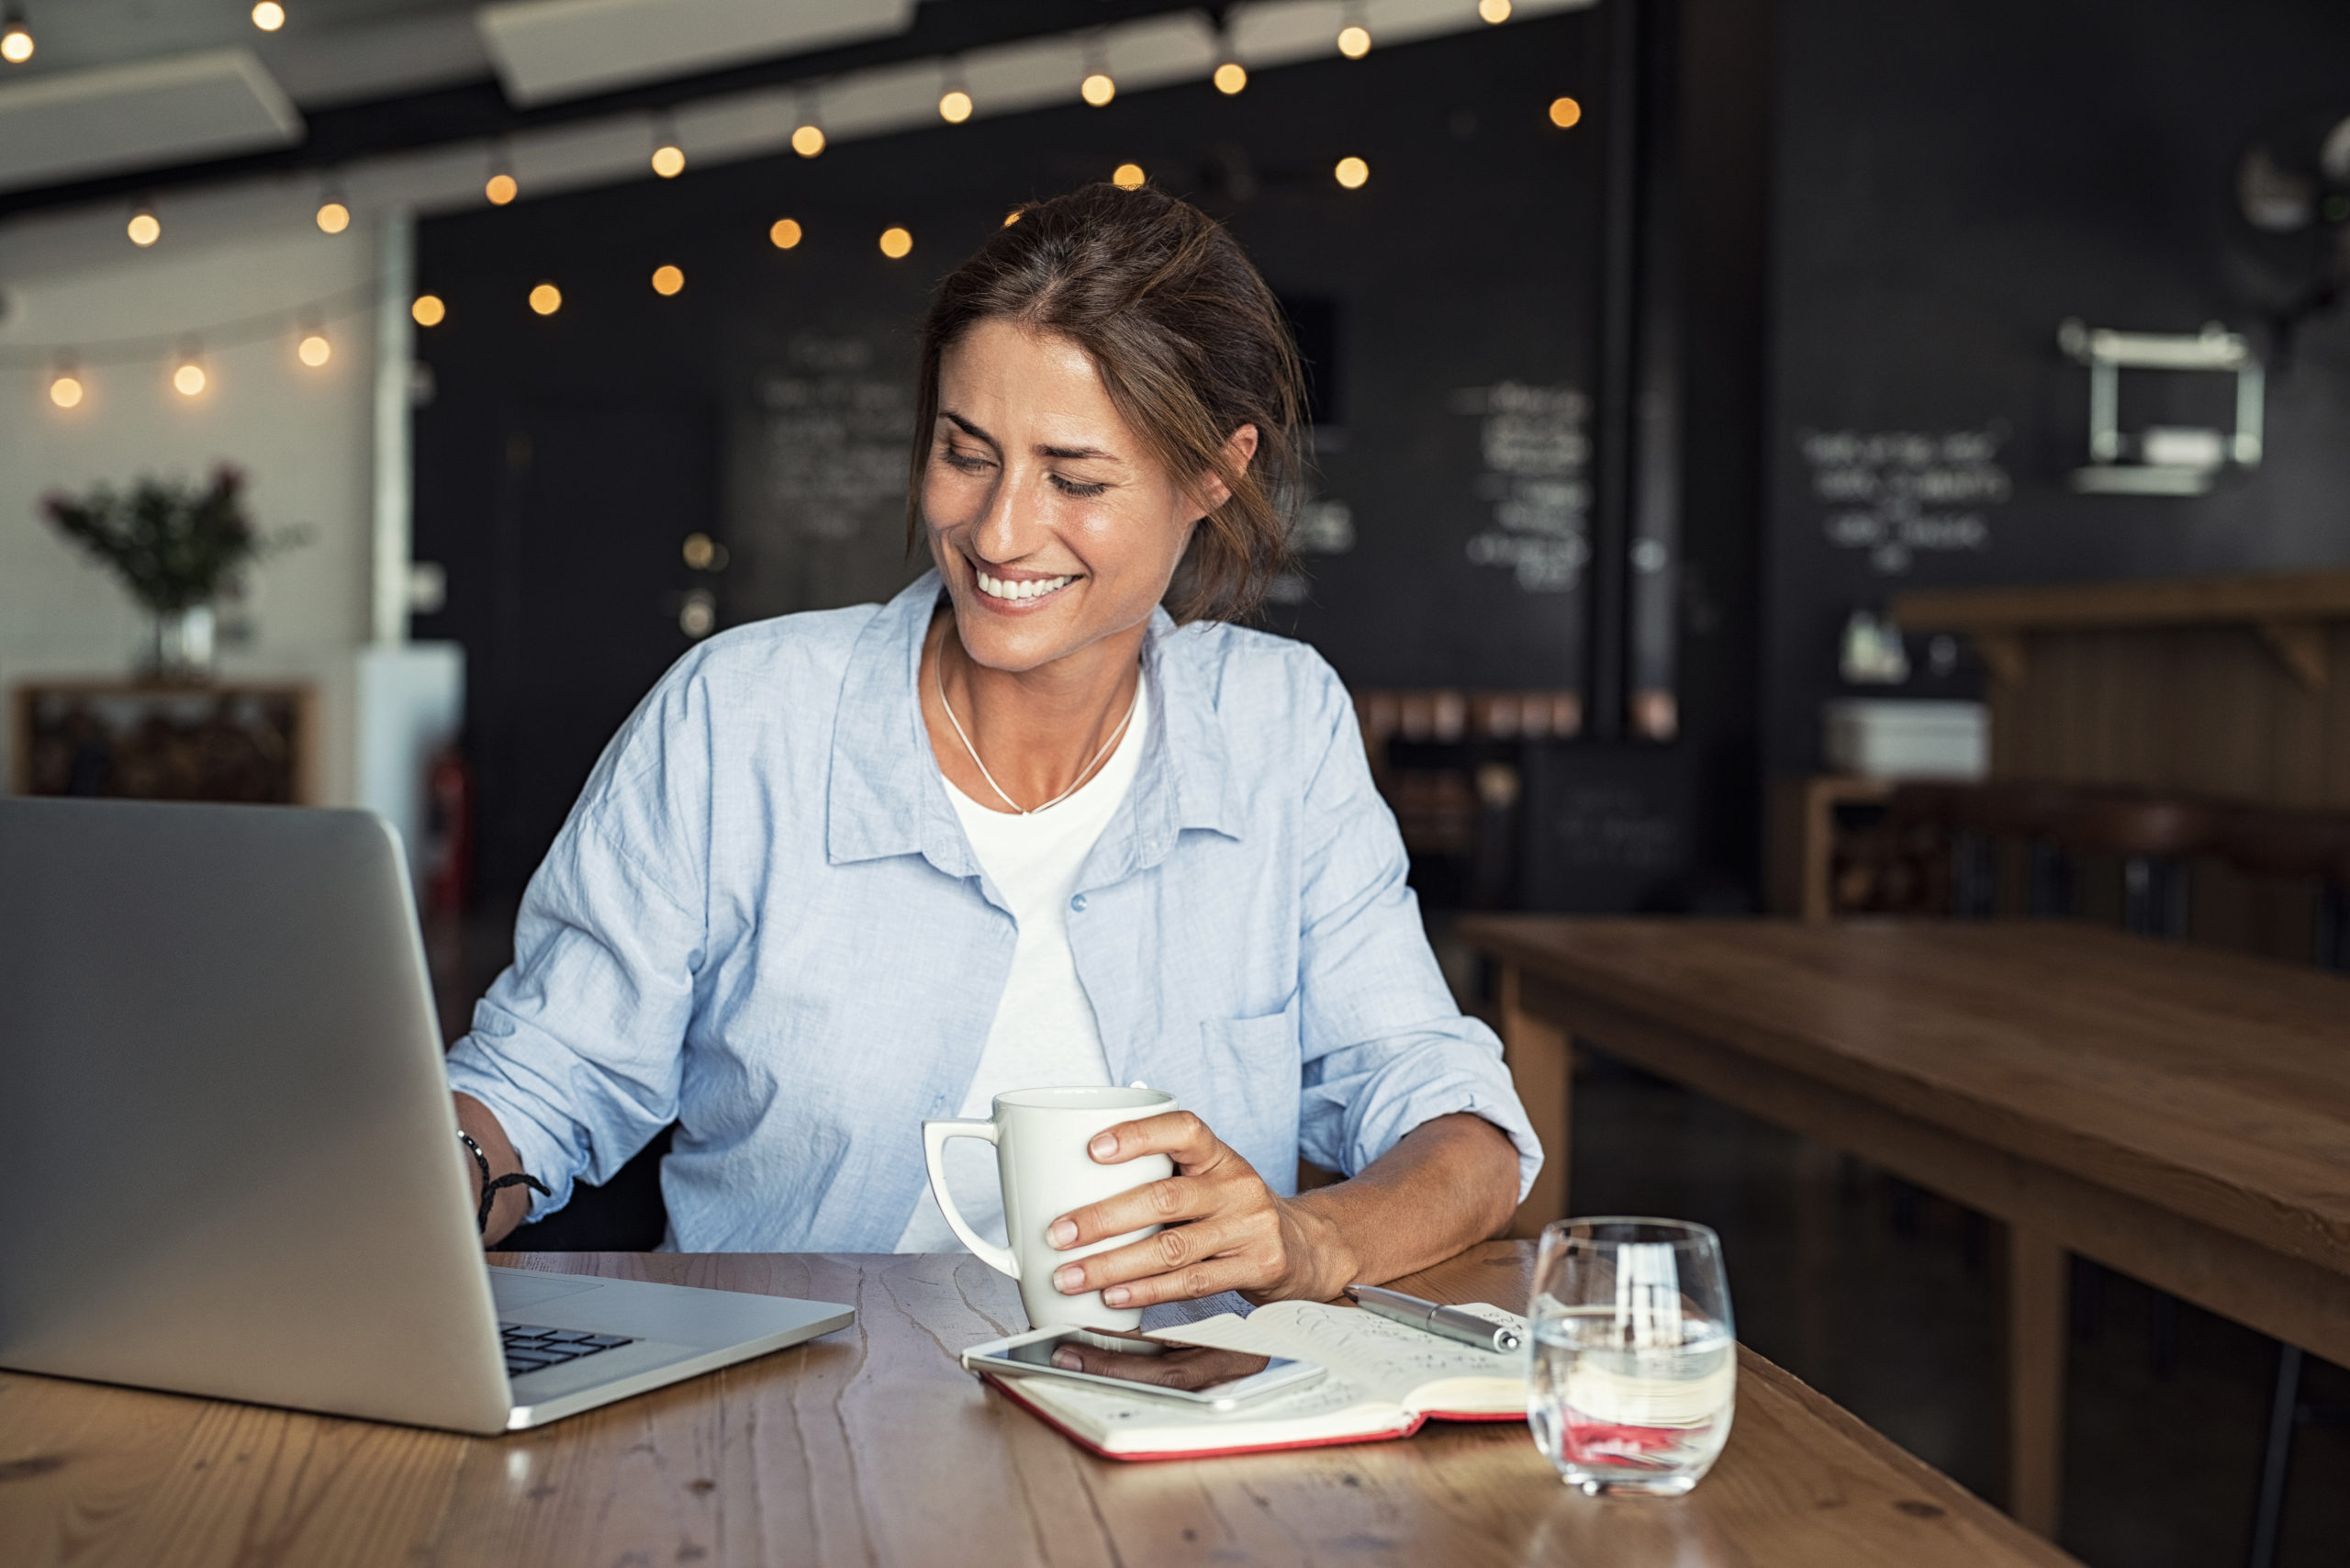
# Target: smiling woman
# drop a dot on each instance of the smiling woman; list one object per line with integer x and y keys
{"x": 1045, "y": 818}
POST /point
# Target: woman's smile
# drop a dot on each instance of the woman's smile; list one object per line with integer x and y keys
{"x": 1012, "y": 594}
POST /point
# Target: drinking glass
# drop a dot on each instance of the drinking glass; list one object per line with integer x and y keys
{"x": 1634, "y": 1370}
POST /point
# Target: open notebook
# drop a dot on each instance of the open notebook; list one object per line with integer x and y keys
{"x": 1384, "y": 1379}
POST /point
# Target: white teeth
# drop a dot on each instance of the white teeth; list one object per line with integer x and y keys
{"x": 997, "y": 587}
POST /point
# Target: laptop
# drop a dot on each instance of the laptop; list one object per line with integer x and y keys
{"x": 228, "y": 1162}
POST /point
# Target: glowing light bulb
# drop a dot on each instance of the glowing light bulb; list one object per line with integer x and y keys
{"x": 808, "y": 141}
{"x": 144, "y": 227}
{"x": 785, "y": 232}
{"x": 333, "y": 217}
{"x": 269, "y": 15}
{"x": 1354, "y": 40}
{"x": 314, "y": 350}
{"x": 547, "y": 299}
{"x": 668, "y": 160}
{"x": 65, "y": 391}
{"x": 1231, "y": 77}
{"x": 500, "y": 189}
{"x": 1564, "y": 112}
{"x": 1496, "y": 12}
{"x": 1129, "y": 176}
{"x": 427, "y": 310}
{"x": 668, "y": 280}
{"x": 1352, "y": 172}
{"x": 896, "y": 242}
{"x": 1012, "y": 217}
{"x": 954, "y": 105}
{"x": 188, "y": 379}
{"x": 16, "y": 44}
{"x": 1097, "y": 89}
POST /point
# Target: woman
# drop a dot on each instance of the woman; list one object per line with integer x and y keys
{"x": 846, "y": 870}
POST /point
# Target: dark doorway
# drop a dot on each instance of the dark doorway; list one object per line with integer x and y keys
{"x": 587, "y": 604}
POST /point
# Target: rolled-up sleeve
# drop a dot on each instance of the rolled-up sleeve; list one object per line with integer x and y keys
{"x": 578, "y": 1047}
{"x": 1385, "y": 1047}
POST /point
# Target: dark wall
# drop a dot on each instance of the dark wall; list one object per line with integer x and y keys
{"x": 1954, "y": 178}
{"x": 1468, "y": 263}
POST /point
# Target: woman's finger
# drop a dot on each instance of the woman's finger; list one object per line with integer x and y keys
{"x": 1172, "y": 1248}
{"x": 1178, "y": 1133}
{"x": 1189, "y": 1282}
{"x": 1168, "y": 1202}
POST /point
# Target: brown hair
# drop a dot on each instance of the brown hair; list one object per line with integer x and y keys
{"x": 1190, "y": 346}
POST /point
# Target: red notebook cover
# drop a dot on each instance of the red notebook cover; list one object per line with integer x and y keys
{"x": 1004, "y": 1386}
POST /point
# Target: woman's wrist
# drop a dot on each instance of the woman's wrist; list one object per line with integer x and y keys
{"x": 1322, "y": 1256}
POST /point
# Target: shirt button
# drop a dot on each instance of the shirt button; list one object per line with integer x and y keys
{"x": 1077, "y": 902}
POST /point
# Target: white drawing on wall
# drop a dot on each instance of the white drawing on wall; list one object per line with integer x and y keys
{"x": 1896, "y": 493}
{"x": 1536, "y": 455}
{"x": 836, "y": 439}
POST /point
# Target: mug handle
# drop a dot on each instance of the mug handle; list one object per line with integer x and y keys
{"x": 934, "y": 1149}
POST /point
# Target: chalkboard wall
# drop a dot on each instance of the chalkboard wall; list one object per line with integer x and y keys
{"x": 1954, "y": 179}
{"x": 1450, "y": 304}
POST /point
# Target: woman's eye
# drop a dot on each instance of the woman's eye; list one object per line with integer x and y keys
{"x": 1077, "y": 487}
{"x": 968, "y": 462}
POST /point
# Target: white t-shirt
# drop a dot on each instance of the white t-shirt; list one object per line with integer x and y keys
{"x": 1043, "y": 1034}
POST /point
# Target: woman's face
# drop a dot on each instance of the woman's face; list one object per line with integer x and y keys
{"x": 1051, "y": 523}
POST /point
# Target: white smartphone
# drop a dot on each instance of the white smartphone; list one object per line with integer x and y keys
{"x": 1136, "y": 1363}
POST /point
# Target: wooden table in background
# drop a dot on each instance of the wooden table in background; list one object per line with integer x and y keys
{"x": 872, "y": 1448}
{"x": 2180, "y": 1115}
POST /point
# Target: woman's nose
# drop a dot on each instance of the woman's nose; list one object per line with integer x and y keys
{"x": 1009, "y": 528}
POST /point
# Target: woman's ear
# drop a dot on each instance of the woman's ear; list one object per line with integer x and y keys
{"x": 1238, "y": 452}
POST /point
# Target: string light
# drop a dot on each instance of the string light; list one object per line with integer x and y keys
{"x": 1129, "y": 176}
{"x": 1231, "y": 77}
{"x": 427, "y": 310}
{"x": 955, "y": 102}
{"x": 1012, "y": 217}
{"x": 1351, "y": 173}
{"x": 668, "y": 280}
{"x": 187, "y": 377}
{"x": 785, "y": 232}
{"x": 897, "y": 242}
{"x": 17, "y": 39}
{"x": 1564, "y": 112}
{"x": 808, "y": 139}
{"x": 269, "y": 15}
{"x": 144, "y": 227}
{"x": 1354, "y": 38}
{"x": 65, "y": 387}
{"x": 1097, "y": 88}
{"x": 547, "y": 299}
{"x": 501, "y": 186}
{"x": 668, "y": 158}
{"x": 314, "y": 350}
{"x": 334, "y": 214}
{"x": 1494, "y": 12}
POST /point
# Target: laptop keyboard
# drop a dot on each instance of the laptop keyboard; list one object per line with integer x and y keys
{"x": 529, "y": 1350}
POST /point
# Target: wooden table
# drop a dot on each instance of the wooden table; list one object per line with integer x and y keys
{"x": 2179, "y": 1113}
{"x": 872, "y": 1448}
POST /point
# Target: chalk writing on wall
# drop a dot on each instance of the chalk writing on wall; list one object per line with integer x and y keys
{"x": 836, "y": 436}
{"x": 1536, "y": 455}
{"x": 1323, "y": 526}
{"x": 1896, "y": 493}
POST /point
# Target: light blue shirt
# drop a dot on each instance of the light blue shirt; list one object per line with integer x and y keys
{"x": 763, "y": 921}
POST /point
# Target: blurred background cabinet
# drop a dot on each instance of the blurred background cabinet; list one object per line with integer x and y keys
{"x": 249, "y": 743}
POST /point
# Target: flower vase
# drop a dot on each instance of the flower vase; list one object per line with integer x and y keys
{"x": 180, "y": 645}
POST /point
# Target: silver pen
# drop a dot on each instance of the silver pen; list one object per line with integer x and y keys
{"x": 1449, "y": 1322}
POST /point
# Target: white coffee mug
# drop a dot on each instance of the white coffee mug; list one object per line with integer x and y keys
{"x": 1040, "y": 1137}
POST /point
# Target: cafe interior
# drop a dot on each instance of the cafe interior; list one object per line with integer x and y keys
{"x": 1828, "y": 514}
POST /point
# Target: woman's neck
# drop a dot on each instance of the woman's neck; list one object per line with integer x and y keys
{"x": 1040, "y": 733}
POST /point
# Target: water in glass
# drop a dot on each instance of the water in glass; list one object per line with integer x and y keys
{"x": 1634, "y": 1356}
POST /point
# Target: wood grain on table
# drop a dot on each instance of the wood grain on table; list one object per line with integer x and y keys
{"x": 2210, "y": 1084}
{"x": 872, "y": 1447}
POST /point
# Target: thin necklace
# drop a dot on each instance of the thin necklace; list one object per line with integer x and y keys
{"x": 939, "y": 671}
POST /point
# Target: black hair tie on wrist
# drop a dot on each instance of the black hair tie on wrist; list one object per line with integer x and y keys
{"x": 491, "y": 1187}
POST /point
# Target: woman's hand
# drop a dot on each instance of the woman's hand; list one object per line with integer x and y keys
{"x": 1226, "y": 1230}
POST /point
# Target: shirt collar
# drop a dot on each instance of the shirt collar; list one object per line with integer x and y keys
{"x": 885, "y": 796}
